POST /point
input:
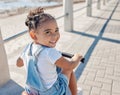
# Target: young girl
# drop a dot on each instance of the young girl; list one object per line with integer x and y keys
{"x": 55, "y": 71}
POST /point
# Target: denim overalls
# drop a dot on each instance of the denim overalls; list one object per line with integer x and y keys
{"x": 34, "y": 81}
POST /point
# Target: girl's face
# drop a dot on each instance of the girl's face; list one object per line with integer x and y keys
{"x": 47, "y": 33}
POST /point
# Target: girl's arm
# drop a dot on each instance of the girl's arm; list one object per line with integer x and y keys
{"x": 66, "y": 64}
{"x": 20, "y": 62}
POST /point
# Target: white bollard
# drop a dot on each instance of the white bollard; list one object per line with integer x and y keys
{"x": 68, "y": 19}
{"x": 89, "y": 8}
{"x": 98, "y": 4}
{"x": 4, "y": 70}
{"x": 104, "y": 2}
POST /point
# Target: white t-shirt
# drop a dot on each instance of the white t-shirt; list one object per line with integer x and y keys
{"x": 46, "y": 64}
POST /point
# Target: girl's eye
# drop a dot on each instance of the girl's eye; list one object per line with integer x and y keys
{"x": 47, "y": 32}
{"x": 57, "y": 30}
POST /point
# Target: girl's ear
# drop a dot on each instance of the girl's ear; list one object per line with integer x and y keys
{"x": 32, "y": 34}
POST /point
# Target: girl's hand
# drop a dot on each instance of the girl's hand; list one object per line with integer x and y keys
{"x": 77, "y": 57}
{"x": 19, "y": 62}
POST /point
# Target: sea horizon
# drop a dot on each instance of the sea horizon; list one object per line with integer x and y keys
{"x": 9, "y": 6}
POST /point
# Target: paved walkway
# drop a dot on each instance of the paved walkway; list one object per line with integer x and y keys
{"x": 96, "y": 37}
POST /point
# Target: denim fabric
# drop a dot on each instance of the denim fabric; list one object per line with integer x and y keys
{"x": 59, "y": 70}
{"x": 34, "y": 82}
{"x": 33, "y": 78}
{"x": 59, "y": 87}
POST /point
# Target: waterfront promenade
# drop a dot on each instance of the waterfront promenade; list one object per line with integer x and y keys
{"x": 97, "y": 38}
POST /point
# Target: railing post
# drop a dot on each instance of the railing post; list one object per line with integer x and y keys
{"x": 68, "y": 11}
{"x": 89, "y": 7}
{"x": 98, "y": 4}
{"x": 103, "y": 2}
{"x": 4, "y": 70}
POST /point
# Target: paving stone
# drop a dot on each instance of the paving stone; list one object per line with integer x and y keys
{"x": 116, "y": 87}
{"x": 91, "y": 76}
{"x": 115, "y": 78}
{"x": 82, "y": 79}
{"x": 85, "y": 87}
{"x": 86, "y": 92}
{"x": 93, "y": 83}
{"x": 103, "y": 80}
{"x": 100, "y": 73}
{"x": 115, "y": 94}
{"x": 95, "y": 91}
{"x": 105, "y": 92}
{"x": 109, "y": 70}
{"x": 107, "y": 87}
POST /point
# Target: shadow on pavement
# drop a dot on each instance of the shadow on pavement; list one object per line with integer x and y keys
{"x": 11, "y": 88}
{"x": 81, "y": 67}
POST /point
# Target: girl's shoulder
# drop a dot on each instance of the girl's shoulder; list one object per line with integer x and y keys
{"x": 49, "y": 50}
{"x": 52, "y": 54}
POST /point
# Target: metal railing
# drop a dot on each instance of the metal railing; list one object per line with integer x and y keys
{"x": 23, "y": 32}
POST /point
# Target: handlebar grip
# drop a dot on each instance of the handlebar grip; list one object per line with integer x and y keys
{"x": 67, "y": 55}
{"x": 71, "y": 55}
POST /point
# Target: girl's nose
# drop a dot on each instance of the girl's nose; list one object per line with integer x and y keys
{"x": 55, "y": 35}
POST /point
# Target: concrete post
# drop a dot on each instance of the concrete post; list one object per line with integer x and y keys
{"x": 103, "y": 2}
{"x": 4, "y": 70}
{"x": 89, "y": 7}
{"x": 98, "y": 4}
{"x": 68, "y": 11}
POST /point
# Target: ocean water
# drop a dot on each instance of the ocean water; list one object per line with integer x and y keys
{"x": 7, "y": 6}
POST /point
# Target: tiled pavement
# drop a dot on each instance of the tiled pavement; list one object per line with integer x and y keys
{"x": 100, "y": 75}
{"x": 96, "y": 37}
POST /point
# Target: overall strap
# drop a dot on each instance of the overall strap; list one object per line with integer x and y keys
{"x": 38, "y": 50}
{"x": 33, "y": 78}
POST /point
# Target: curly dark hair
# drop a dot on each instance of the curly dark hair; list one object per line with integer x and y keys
{"x": 36, "y": 17}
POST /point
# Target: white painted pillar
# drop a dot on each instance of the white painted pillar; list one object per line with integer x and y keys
{"x": 4, "y": 70}
{"x": 89, "y": 7}
{"x": 98, "y": 4}
{"x": 68, "y": 11}
{"x": 104, "y": 2}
